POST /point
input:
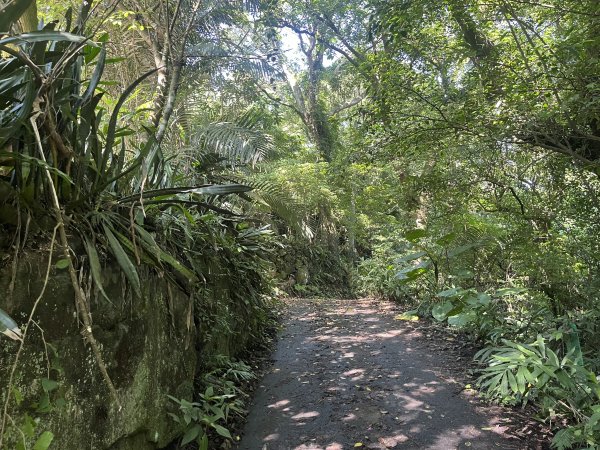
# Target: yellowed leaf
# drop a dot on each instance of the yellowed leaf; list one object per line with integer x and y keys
{"x": 408, "y": 317}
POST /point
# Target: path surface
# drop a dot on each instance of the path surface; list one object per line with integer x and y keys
{"x": 345, "y": 372}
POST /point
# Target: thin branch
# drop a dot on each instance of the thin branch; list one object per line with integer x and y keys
{"x": 350, "y": 104}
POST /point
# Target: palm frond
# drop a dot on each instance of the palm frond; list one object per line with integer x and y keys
{"x": 279, "y": 202}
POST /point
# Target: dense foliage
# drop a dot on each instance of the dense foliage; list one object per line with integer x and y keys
{"x": 440, "y": 153}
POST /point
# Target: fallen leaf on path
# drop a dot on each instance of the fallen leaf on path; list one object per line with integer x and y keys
{"x": 408, "y": 316}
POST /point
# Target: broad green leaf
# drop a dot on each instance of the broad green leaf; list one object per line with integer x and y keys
{"x": 504, "y": 385}
{"x": 44, "y": 404}
{"x": 484, "y": 299}
{"x": 222, "y": 431}
{"x": 441, "y": 310}
{"x": 521, "y": 379}
{"x": 44, "y": 441}
{"x": 461, "y": 320}
{"x": 191, "y": 434}
{"x": 49, "y": 385}
{"x": 446, "y": 239}
{"x": 411, "y": 273}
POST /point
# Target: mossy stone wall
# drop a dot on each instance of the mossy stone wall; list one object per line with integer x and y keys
{"x": 151, "y": 346}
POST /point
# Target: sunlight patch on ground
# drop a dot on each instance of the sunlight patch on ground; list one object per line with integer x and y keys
{"x": 306, "y": 415}
{"x": 279, "y": 404}
{"x": 454, "y": 438}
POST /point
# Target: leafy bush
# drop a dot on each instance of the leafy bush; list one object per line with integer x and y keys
{"x": 220, "y": 397}
{"x": 565, "y": 390}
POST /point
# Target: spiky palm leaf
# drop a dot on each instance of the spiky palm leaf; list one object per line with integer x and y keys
{"x": 279, "y": 202}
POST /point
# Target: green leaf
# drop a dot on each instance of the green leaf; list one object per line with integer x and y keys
{"x": 191, "y": 434}
{"x": 28, "y": 426}
{"x": 124, "y": 262}
{"x": 95, "y": 267}
{"x": 521, "y": 379}
{"x": 44, "y": 441}
{"x": 44, "y": 405}
{"x": 207, "y": 189}
{"x": 411, "y": 273}
{"x": 62, "y": 263}
{"x": 203, "y": 442}
{"x": 512, "y": 381}
{"x": 37, "y": 162}
{"x": 461, "y": 320}
{"x": 448, "y": 292}
{"x": 112, "y": 124}
{"x": 49, "y": 385}
{"x": 504, "y": 385}
{"x": 441, "y": 310}
{"x": 446, "y": 239}
{"x": 150, "y": 245}
{"x": 415, "y": 235}
{"x": 222, "y": 431}
{"x": 94, "y": 80}
{"x": 563, "y": 439}
{"x": 18, "y": 395}
{"x": 411, "y": 257}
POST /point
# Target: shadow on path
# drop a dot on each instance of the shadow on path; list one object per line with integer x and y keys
{"x": 345, "y": 372}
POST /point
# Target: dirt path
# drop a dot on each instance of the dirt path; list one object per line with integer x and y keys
{"x": 347, "y": 375}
